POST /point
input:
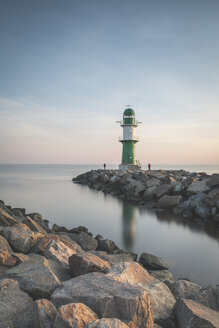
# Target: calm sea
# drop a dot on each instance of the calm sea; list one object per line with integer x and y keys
{"x": 192, "y": 252}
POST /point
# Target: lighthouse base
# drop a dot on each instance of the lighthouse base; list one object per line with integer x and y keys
{"x": 131, "y": 167}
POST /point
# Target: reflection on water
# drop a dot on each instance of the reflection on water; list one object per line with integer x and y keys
{"x": 191, "y": 247}
{"x": 129, "y": 225}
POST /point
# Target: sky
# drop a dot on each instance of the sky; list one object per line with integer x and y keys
{"x": 68, "y": 68}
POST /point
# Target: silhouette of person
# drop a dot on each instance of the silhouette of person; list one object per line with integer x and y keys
{"x": 104, "y": 166}
{"x": 149, "y": 166}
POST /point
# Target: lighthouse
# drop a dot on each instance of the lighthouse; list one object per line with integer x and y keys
{"x": 129, "y": 140}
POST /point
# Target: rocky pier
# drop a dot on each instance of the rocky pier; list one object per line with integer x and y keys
{"x": 188, "y": 195}
{"x": 58, "y": 278}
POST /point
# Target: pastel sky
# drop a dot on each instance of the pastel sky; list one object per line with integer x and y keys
{"x": 68, "y": 68}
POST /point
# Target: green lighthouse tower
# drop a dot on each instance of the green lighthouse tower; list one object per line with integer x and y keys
{"x": 129, "y": 140}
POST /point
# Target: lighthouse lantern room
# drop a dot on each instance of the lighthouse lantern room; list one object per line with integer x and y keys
{"x": 129, "y": 140}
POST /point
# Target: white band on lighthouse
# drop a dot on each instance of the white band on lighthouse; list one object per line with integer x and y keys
{"x": 128, "y": 132}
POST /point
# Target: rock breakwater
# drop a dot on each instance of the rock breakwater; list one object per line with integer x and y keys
{"x": 190, "y": 195}
{"x": 58, "y": 277}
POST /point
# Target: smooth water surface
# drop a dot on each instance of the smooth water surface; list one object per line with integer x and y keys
{"x": 192, "y": 250}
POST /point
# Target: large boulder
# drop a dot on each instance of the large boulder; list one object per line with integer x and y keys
{"x": 14, "y": 303}
{"x": 208, "y": 296}
{"x": 213, "y": 181}
{"x": 58, "y": 228}
{"x": 212, "y": 197}
{"x": 107, "y": 245}
{"x": 86, "y": 242}
{"x": 184, "y": 288}
{"x": 190, "y": 314}
{"x": 115, "y": 258}
{"x": 6, "y": 219}
{"x": 41, "y": 245}
{"x": 19, "y": 211}
{"x": 20, "y": 237}
{"x": 197, "y": 187}
{"x": 202, "y": 211}
{"x": 33, "y": 225}
{"x": 107, "y": 323}
{"x": 149, "y": 193}
{"x": 44, "y": 314}
{"x": 162, "y": 275}
{"x": 162, "y": 300}
{"x": 56, "y": 250}
{"x": 86, "y": 263}
{"x": 163, "y": 190}
{"x": 37, "y": 217}
{"x": 152, "y": 262}
{"x": 107, "y": 298}
{"x": 181, "y": 207}
{"x": 5, "y": 250}
{"x": 196, "y": 199}
{"x": 168, "y": 201}
{"x": 35, "y": 277}
{"x": 75, "y": 315}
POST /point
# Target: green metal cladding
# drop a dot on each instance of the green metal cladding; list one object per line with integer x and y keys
{"x": 128, "y": 152}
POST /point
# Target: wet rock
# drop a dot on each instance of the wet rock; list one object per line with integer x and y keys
{"x": 75, "y": 315}
{"x": 107, "y": 298}
{"x": 213, "y": 196}
{"x": 86, "y": 242}
{"x": 86, "y": 263}
{"x": 167, "y": 201}
{"x": 196, "y": 199}
{"x": 152, "y": 262}
{"x": 180, "y": 208}
{"x": 193, "y": 315}
{"x": 162, "y": 300}
{"x": 107, "y": 323}
{"x": 107, "y": 245}
{"x": 216, "y": 217}
{"x": 202, "y": 211}
{"x": 35, "y": 277}
{"x": 149, "y": 193}
{"x": 163, "y": 190}
{"x": 14, "y": 304}
{"x": 44, "y": 314}
{"x": 20, "y": 237}
{"x": 198, "y": 187}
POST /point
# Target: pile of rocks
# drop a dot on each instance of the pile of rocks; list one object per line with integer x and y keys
{"x": 59, "y": 277}
{"x": 185, "y": 194}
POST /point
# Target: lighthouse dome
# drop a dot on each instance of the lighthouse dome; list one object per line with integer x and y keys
{"x": 129, "y": 116}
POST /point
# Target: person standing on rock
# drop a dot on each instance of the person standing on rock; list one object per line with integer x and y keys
{"x": 104, "y": 166}
{"x": 149, "y": 166}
